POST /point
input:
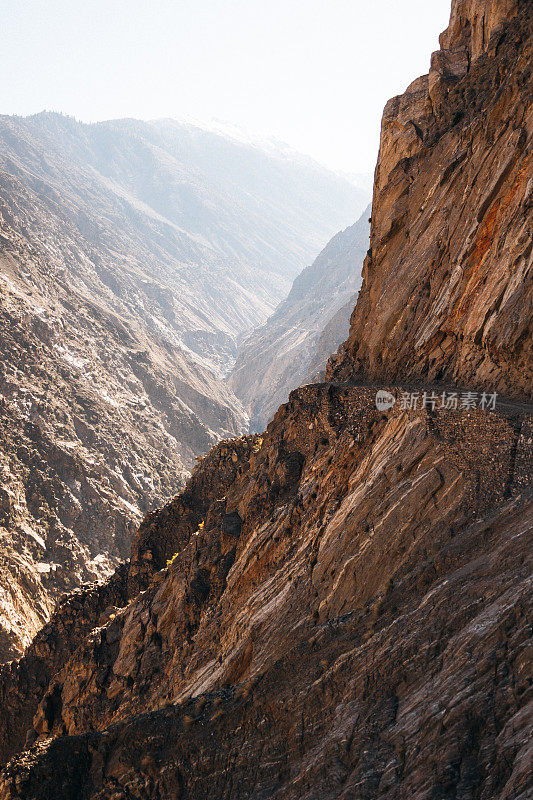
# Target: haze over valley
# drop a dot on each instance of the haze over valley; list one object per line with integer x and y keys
{"x": 134, "y": 257}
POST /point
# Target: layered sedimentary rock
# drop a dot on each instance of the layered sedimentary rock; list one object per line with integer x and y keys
{"x": 447, "y": 283}
{"x": 340, "y": 607}
{"x": 297, "y": 340}
{"x": 132, "y": 256}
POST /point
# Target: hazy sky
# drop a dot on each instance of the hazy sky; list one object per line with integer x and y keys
{"x": 314, "y": 73}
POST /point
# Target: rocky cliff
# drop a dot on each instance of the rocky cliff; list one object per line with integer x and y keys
{"x": 340, "y": 607}
{"x": 447, "y": 282}
{"x": 131, "y": 259}
{"x": 305, "y": 329}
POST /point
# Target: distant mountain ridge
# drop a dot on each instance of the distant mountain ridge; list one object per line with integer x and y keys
{"x": 132, "y": 257}
{"x": 221, "y": 225}
{"x": 296, "y": 341}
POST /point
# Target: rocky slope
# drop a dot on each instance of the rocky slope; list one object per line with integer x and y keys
{"x": 131, "y": 259}
{"x": 339, "y": 608}
{"x": 100, "y": 420}
{"x": 209, "y": 232}
{"x": 451, "y": 240}
{"x": 305, "y": 328}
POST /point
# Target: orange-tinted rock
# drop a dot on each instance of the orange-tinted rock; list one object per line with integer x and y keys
{"x": 341, "y": 608}
{"x": 447, "y": 283}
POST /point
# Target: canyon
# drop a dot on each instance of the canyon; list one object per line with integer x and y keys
{"x": 296, "y": 341}
{"x": 340, "y": 606}
{"x": 132, "y": 258}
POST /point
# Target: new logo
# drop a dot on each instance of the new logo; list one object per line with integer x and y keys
{"x": 384, "y": 400}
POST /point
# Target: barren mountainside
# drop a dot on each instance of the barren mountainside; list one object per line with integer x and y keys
{"x": 132, "y": 256}
{"x": 340, "y": 607}
{"x": 196, "y": 234}
{"x": 280, "y": 355}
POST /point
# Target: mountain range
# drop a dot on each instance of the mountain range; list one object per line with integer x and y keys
{"x": 133, "y": 256}
{"x": 339, "y": 607}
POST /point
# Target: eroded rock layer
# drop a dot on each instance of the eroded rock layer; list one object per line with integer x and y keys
{"x": 447, "y": 282}
{"x": 341, "y": 607}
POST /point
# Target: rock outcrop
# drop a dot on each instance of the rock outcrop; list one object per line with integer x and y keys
{"x": 340, "y": 607}
{"x": 24, "y": 681}
{"x": 132, "y": 256}
{"x": 297, "y": 340}
{"x": 447, "y": 283}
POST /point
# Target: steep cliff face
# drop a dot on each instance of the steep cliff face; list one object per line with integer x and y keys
{"x": 339, "y": 608}
{"x": 132, "y": 257}
{"x": 447, "y": 284}
{"x": 280, "y": 355}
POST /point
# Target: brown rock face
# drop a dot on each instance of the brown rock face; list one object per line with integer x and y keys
{"x": 348, "y": 610}
{"x": 341, "y": 607}
{"x": 447, "y": 283}
{"x": 22, "y": 682}
{"x": 473, "y": 22}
